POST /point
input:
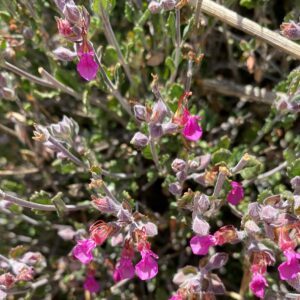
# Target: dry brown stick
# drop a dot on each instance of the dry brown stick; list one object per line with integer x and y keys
{"x": 235, "y": 20}
{"x": 247, "y": 92}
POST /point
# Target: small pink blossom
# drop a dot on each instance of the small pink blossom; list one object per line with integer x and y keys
{"x": 201, "y": 244}
{"x": 258, "y": 285}
{"x": 191, "y": 130}
{"x": 91, "y": 284}
{"x": 290, "y": 268}
{"x": 7, "y": 280}
{"x": 87, "y": 67}
{"x": 236, "y": 194}
{"x": 147, "y": 268}
{"x": 124, "y": 268}
{"x": 83, "y": 250}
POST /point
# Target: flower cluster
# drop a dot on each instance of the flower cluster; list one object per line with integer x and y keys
{"x": 182, "y": 121}
{"x": 200, "y": 283}
{"x": 130, "y": 230}
{"x": 74, "y": 28}
{"x": 19, "y": 270}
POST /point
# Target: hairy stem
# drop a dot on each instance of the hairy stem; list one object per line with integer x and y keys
{"x": 37, "y": 206}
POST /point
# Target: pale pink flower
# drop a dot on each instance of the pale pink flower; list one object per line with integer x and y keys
{"x": 236, "y": 194}
{"x": 290, "y": 268}
{"x": 7, "y": 280}
{"x": 258, "y": 285}
{"x": 87, "y": 67}
{"x": 147, "y": 268}
{"x": 83, "y": 250}
{"x": 200, "y": 244}
{"x": 91, "y": 284}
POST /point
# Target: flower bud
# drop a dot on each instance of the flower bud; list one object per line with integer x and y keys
{"x": 155, "y": 131}
{"x": 61, "y": 3}
{"x": 7, "y": 93}
{"x": 159, "y": 112}
{"x": 170, "y": 128}
{"x": 200, "y": 226}
{"x": 290, "y": 30}
{"x": 154, "y": 7}
{"x": 106, "y": 205}
{"x": 226, "y": 234}
{"x": 175, "y": 189}
{"x": 254, "y": 210}
{"x": 295, "y": 182}
{"x": 7, "y": 280}
{"x": 151, "y": 229}
{"x": 64, "y": 54}
{"x": 181, "y": 176}
{"x": 269, "y": 214}
{"x": 72, "y": 13}
{"x": 217, "y": 261}
{"x": 139, "y": 140}
{"x": 178, "y": 165}
{"x": 252, "y": 228}
{"x": 168, "y": 4}
{"x": 201, "y": 203}
{"x": 140, "y": 112}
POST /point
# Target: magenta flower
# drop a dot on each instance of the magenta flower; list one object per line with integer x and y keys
{"x": 201, "y": 244}
{"x": 83, "y": 250}
{"x": 147, "y": 268}
{"x": 290, "y": 268}
{"x": 191, "y": 130}
{"x": 91, "y": 284}
{"x": 87, "y": 67}
{"x": 258, "y": 285}
{"x": 124, "y": 268}
{"x": 236, "y": 194}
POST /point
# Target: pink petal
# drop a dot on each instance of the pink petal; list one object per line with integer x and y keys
{"x": 236, "y": 194}
{"x": 83, "y": 250}
{"x": 91, "y": 284}
{"x": 87, "y": 67}
{"x": 147, "y": 268}
{"x": 192, "y": 131}
{"x": 290, "y": 268}
{"x": 200, "y": 244}
{"x": 258, "y": 285}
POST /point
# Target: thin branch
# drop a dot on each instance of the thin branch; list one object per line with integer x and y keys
{"x": 8, "y": 66}
{"x": 273, "y": 171}
{"x": 247, "y": 92}
{"x": 154, "y": 153}
{"x": 109, "y": 33}
{"x": 18, "y": 172}
{"x": 252, "y": 28}
{"x": 37, "y": 206}
{"x": 112, "y": 88}
{"x": 177, "y": 45}
{"x": 58, "y": 85}
{"x": 198, "y": 13}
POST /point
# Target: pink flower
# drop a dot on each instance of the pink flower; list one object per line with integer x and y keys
{"x": 236, "y": 194}
{"x": 87, "y": 67}
{"x": 147, "y": 268}
{"x": 124, "y": 268}
{"x": 291, "y": 267}
{"x": 201, "y": 244}
{"x": 258, "y": 285}
{"x": 191, "y": 130}
{"x": 91, "y": 284}
{"x": 83, "y": 250}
